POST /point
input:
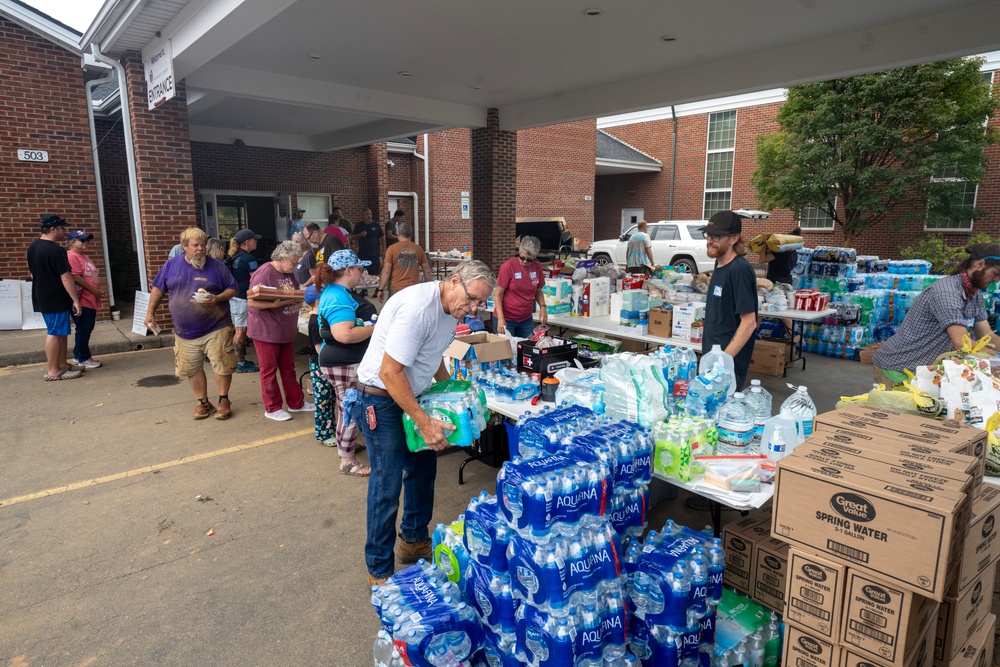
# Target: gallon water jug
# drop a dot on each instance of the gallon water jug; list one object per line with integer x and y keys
{"x": 717, "y": 356}
{"x": 736, "y": 426}
{"x": 802, "y": 407}
{"x": 789, "y": 426}
{"x": 760, "y": 399}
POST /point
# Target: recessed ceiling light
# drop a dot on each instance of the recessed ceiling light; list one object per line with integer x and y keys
{"x": 315, "y": 56}
{"x": 593, "y": 11}
{"x": 668, "y": 38}
{"x": 476, "y": 87}
{"x": 404, "y": 73}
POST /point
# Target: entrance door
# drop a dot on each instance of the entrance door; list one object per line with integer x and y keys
{"x": 631, "y": 216}
{"x": 236, "y": 212}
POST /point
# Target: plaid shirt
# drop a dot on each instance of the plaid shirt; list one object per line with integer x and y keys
{"x": 923, "y": 334}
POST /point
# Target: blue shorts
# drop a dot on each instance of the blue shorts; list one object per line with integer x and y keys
{"x": 57, "y": 324}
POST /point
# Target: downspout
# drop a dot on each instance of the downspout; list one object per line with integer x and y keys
{"x": 673, "y": 165}
{"x": 97, "y": 181}
{"x": 416, "y": 210}
{"x": 133, "y": 180}
{"x": 427, "y": 192}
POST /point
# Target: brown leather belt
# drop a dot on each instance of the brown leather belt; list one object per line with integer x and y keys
{"x": 376, "y": 391}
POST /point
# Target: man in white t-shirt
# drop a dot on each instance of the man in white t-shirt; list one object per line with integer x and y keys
{"x": 403, "y": 358}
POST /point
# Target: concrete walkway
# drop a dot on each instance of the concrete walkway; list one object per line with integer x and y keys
{"x": 28, "y": 347}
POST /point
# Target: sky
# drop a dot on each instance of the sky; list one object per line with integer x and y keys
{"x": 76, "y": 14}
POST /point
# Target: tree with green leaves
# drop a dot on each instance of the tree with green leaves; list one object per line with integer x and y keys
{"x": 861, "y": 147}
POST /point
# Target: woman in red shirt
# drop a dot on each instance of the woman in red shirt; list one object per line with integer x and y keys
{"x": 519, "y": 288}
{"x": 88, "y": 287}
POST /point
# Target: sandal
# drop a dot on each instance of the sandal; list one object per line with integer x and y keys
{"x": 356, "y": 469}
{"x": 64, "y": 374}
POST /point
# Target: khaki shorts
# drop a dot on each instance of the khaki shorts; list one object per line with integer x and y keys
{"x": 189, "y": 355}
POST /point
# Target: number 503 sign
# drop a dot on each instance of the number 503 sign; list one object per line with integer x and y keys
{"x": 28, "y": 155}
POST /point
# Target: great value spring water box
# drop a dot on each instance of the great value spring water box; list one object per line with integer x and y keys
{"x": 884, "y": 526}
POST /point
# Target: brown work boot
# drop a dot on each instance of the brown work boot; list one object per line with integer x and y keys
{"x": 376, "y": 581}
{"x": 225, "y": 409}
{"x": 203, "y": 410}
{"x": 411, "y": 552}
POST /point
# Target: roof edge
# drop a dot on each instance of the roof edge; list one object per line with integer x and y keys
{"x": 42, "y": 25}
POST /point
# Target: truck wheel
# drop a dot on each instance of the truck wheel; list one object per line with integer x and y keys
{"x": 689, "y": 264}
{"x": 603, "y": 260}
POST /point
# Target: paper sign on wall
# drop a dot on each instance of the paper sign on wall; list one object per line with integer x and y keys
{"x": 29, "y": 318}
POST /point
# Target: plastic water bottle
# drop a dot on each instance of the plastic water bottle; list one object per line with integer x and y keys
{"x": 383, "y": 649}
{"x": 791, "y": 429}
{"x": 772, "y": 642}
{"x": 760, "y": 399}
{"x": 775, "y": 446}
{"x": 736, "y": 426}
{"x": 716, "y": 356}
{"x": 802, "y": 407}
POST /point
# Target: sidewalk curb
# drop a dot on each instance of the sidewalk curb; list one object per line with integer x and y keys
{"x": 98, "y": 348}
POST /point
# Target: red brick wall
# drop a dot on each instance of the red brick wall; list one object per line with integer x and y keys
{"x": 494, "y": 191}
{"x": 555, "y": 174}
{"x": 449, "y": 178}
{"x": 44, "y": 109}
{"x": 163, "y": 167}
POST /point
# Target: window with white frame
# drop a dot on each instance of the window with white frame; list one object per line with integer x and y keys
{"x": 967, "y": 196}
{"x": 316, "y": 207}
{"x": 816, "y": 218}
{"x": 720, "y": 153}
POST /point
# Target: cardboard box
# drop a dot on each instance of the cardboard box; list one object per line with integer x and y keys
{"x": 922, "y": 654}
{"x": 738, "y": 538}
{"x": 265, "y": 293}
{"x": 892, "y": 531}
{"x": 770, "y": 573}
{"x": 814, "y": 593}
{"x": 468, "y": 354}
{"x": 951, "y": 435}
{"x": 768, "y": 358}
{"x": 661, "y": 322}
{"x": 978, "y": 651}
{"x": 545, "y": 360}
{"x": 958, "y": 618}
{"x": 882, "y": 621}
{"x": 920, "y": 480}
{"x": 803, "y": 649}
{"x": 981, "y": 546}
{"x": 684, "y": 316}
{"x": 878, "y": 444}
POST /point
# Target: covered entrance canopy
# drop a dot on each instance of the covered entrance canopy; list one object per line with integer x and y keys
{"x": 320, "y": 76}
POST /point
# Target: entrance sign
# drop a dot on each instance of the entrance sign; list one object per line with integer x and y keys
{"x": 158, "y": 63}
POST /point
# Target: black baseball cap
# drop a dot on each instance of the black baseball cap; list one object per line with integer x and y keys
{"x": 988, "y": 252}
{"x": 724, "y": 223}
{"x": 245, "y": 235}
{"x": 50, "y": 220}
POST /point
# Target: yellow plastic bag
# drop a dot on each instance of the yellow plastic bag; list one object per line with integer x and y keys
{"x": 906, "y": 398}
{"x": 968, "y": 350}
{"x": 993, "y": 451}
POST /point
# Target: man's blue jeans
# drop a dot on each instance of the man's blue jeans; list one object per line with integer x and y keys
{"x": 394, "y": 467}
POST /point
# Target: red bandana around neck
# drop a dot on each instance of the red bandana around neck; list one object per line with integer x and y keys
{"x": 970, "y": 290}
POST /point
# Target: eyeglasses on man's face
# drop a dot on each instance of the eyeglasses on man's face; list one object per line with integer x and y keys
{"x": 470, "y": 300}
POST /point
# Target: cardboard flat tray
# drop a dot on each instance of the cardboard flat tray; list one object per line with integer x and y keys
{"x": 265, "y": 293}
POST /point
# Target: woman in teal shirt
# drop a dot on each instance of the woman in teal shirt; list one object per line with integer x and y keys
{"x": 344, "y": 343}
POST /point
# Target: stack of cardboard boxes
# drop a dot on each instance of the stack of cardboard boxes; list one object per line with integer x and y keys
{"x": 890, "y": 544}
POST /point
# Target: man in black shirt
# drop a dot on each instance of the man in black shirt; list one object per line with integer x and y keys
{"x": 53, "y": 293}
{"x": 731, "y": 308}
{"x": 392, "y": 227}
{"x": 369, "y": 236}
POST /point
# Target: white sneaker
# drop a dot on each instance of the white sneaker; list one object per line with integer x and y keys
{"x": 89, "y": 363}
{"x": 306, "y": 407}
{"x": 278, "y": 415}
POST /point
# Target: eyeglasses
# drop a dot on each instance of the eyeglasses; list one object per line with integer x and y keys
{"x": 715, "y": 238}
{"x": 471, "y": 300}
{"x": 525, "y": 259}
